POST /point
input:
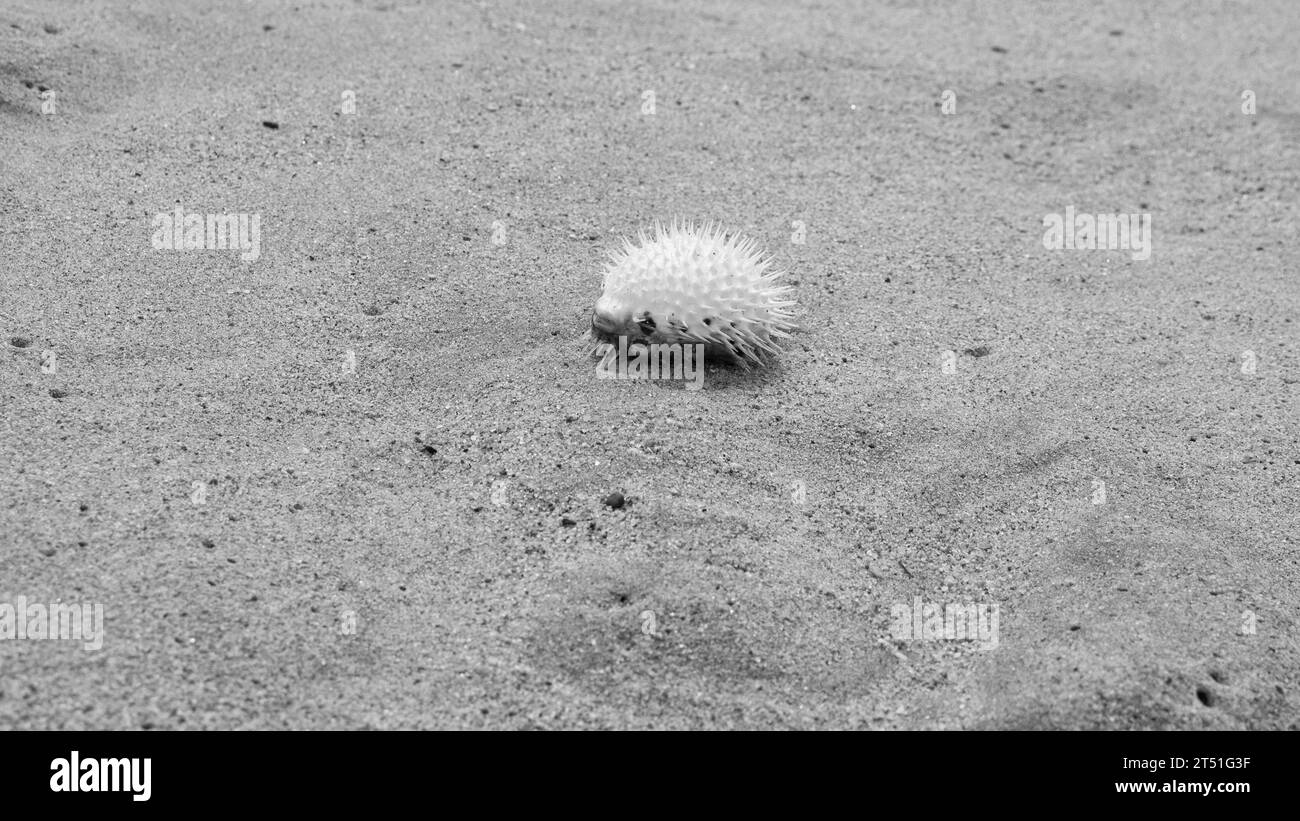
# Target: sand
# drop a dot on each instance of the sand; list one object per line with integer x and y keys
{"x": 361, "y": 480}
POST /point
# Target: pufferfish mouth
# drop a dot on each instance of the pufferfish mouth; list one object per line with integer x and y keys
{"x": 603, "y": 324}
{"x": 606, "y": 327}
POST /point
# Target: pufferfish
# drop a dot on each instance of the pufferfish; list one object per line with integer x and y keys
{"x": 687, "y": 285}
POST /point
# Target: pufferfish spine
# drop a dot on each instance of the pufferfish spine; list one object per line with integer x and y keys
{"x": 683, "y": 284}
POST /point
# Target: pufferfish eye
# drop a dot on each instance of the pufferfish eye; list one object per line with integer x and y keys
{"x": 647, "y": 324}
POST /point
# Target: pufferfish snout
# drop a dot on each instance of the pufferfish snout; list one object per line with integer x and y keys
{"x": 684, "y": 284}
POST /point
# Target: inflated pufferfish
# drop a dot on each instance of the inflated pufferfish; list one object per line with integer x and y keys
{"x": 683, "y": 284}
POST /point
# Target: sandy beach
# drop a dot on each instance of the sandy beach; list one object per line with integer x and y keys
{"x": 361, "y": 475}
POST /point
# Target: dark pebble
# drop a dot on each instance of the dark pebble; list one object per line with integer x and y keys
{"x": 615, "y": 501}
